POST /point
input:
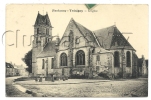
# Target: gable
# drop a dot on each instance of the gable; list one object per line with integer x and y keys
{"x": 79, "y": 32}
{"x": 86, "y": 33}
{"x": 64, "y": 42}
{"x": 119, "y": 41}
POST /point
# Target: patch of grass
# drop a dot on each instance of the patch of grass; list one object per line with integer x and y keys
{"x": 25, "y": 79}
{"x": 31, "y": 87}
{"x": 11, "y": 91}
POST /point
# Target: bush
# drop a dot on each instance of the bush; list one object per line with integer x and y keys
{"x": 104, "y": 75}
{"x": 76, "y": 76}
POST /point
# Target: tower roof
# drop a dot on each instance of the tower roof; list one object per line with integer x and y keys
{"x": 42, "y": 20}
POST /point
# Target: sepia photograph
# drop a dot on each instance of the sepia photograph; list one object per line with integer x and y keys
{"x": 76, "y": 50}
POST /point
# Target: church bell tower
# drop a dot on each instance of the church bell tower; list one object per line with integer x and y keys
{"x": 42, "y": 33}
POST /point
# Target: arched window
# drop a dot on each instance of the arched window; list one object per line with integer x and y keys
{"x": 63, "y": 59}
{"x": 43, "y": 63}
{"x": 80, "y": 58}
{"x": 116, "y": 59}
{"x": 98, "y": 57}
{"x": 128, "y": 59}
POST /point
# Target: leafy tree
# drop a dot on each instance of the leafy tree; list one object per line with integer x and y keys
{"x": 28, "y": 61}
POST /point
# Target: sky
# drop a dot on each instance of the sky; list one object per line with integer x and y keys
{"x": 128, "y": 18}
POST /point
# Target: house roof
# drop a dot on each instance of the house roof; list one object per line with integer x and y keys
{"x": 111, "y": 38}
{"x": 43, "y": 20}
{"x": 49, "y": 50}
{"x": 8, "y": 65}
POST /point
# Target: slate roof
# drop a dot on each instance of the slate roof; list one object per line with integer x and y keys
{"x": 86, "y": 32}
{"x": 111, "y": 38}
{"x": 43, "y": 20}
{"x": 103, "y": 37}
{"x": 49, "y": 50}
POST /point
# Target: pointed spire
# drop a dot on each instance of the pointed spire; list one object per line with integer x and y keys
{"x": 114, "y": 24}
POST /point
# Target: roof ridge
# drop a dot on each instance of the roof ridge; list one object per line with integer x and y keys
{"x": 104, "y": 28}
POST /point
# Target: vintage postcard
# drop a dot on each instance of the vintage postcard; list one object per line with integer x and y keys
{"x": 76, "y": 50}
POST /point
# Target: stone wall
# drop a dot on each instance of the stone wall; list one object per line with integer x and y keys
{"x": 123, "y": 70}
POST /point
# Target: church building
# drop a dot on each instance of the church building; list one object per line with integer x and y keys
{"x": 81, "y": 51}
